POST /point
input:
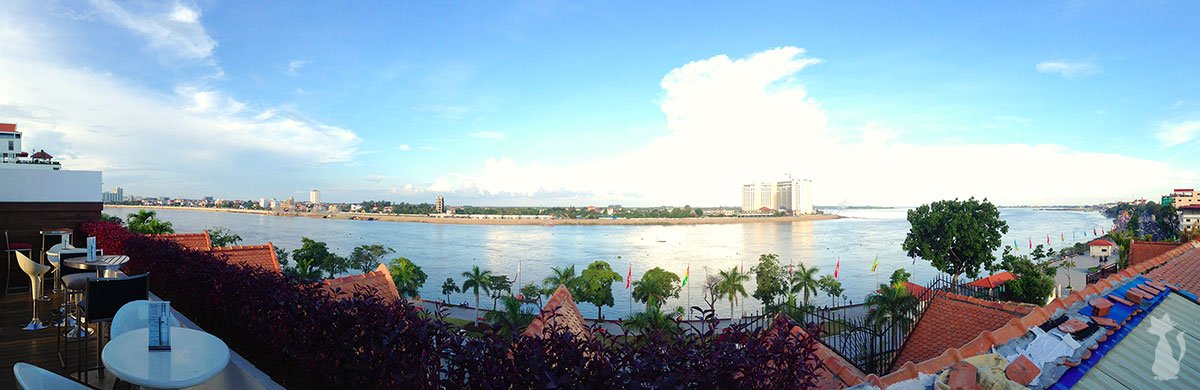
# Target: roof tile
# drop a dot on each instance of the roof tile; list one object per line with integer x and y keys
{"x": 560, "y": 310}
{"x": 1142, "y": 251}
{"x": 380, "y": 280}
{"x": 262, "y": 256}
{"x": 194, "y": 241}
{"x": 952, "y": 320}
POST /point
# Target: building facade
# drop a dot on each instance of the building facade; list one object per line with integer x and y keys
{"x": 793, "y": 196}
{"x": 314, "y": 197}
{"x": 117, "y": 195}
{"x": 1182, "y": 197}
{"x": 1189, "y": 217}
{"x": 439, "y": 205}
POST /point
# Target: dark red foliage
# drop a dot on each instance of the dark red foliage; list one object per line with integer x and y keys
{"x": 303, "y": 338}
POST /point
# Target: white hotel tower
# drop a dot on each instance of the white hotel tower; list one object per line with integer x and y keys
{"x": 793, "y": 196}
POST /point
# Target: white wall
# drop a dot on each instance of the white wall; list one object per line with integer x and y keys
{"x": 38, "y": 185}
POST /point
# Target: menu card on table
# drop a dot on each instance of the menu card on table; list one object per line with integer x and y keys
{"x": 160, "y": 325}
{"x": 91, "y": 249}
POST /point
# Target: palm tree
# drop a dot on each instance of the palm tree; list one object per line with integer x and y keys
{"x": 511, "y": 318}
{"x": 653, "y": 318}
{"x": 730, "y": 284}
{"x": 477, "y": 279}
{"x": 891, "y": 304}
{"x": 804, "y": 281}
{"x": 1070, "y": 265}
{"x": 407, "y": 276}
{"x": 449, "y": 287}
{"x": 147, "y": 222}
{"x": 560, "y": 276}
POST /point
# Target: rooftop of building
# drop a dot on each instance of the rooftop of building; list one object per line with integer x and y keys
{"x": 561, "y": 311}
{"x": 952, "y": 320}
{"x": 1141, "y": 251}
{"x": 194, "y": 241}
{"x": 993, "y": 281}
{"x": 379, "y": 281}
{"x": 8, "y": 127}
{"x": 262, "y": 256}
{"x": 1101, "y": 242}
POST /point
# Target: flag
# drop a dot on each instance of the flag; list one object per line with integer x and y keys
{"x": 629, "y": 276}
{"x": 1030, "y": 242}
{"x": 1102, "y": 231}
{"x": 686, "y": 272}
{"x": 1015, "y": 246}
{"x": 789, "y": 269}
{"x": 1047, "y": 239}
{"x": 1093, "y": 231}
{"x": 837, "y": 267}
{"x": 517, "y": 280}
{"x": 876, "y": 265}
{"x": 1063, "y": 237}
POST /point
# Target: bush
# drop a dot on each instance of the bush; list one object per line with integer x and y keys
{"x": 303, "y": 338}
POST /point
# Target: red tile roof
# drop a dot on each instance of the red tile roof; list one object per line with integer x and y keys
{"x": 952, "y": 320}
{"x": 380, "y": 279}
{"x": 993, "y": 281}
{"x": 834, "y": 371}
{"x": 193, "y": 241}
{"x": 916, "y": 290}
{"x": 262, "y": 256}
{"x": 559, "y": 310}
{"x": 1101, "y": 242}
{"x": 41, "y": 154}
{"x": 8, "y": 127}
{"x": 1141, "y": 251}
{"x": 1177, "y": 266}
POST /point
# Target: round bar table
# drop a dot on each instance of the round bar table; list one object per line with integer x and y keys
{"x": 106, "y": 266}
{"x": 194, "y": 358}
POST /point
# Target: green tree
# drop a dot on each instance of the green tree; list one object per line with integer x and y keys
{"x": 729, "y": 284}
{"x": 314, "y": 259}
{"x": 654, "y": 318}
{"x": 449, "y": 287}
{"x": 499, "y": 286}
{"x": 956, "y": 236}
{"x": 804, "y": 281}
{"x": 477, "y": 279}
{"x": 771, "y": 280}
{"x": 281, "y": 256}
{"x": 1069, "y": 264}
{"x": 899, "y": 276}
{"x": 367, "y": 257}
{"x": 531, "y": 292}
{"x": 111, "y": 218}
{"x": 408, "y": 277}
{"x": 891, "y": 304}
{"x": 656, "y": 286}
{"x": 221, "y": 236}
{"x": 832, "y": 287}
{"x": 595, "y": 285}
{"x": 560, "y": 276}
{"x": 147, "y": 222}
{"x": 511, "y": 318}
{"x": 1034, "y": 281}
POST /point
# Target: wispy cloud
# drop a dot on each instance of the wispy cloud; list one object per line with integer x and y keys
{"x": 172, "y": 28}
{"x": 1069, "y": 69}
{"x": 489, "y": 135}
{"x": 1178, "y": 133}
{"x": 293, "y": 67}
{"x": 404, "y": 147}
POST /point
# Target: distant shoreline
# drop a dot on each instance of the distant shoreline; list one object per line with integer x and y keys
{"x": 471, "y": 221}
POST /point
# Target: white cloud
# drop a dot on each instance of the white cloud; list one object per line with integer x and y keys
{"x": 1069, "y": 69}
{"x": 404, "y": 147}
{"x": 136, "y": 134}
{"x": 173, "y": 28}
{"x": 733, "y": 121}
{"x": 293, "y": 67}
{"x": 1177, "y": 133}
{"x": 489, "y": 135}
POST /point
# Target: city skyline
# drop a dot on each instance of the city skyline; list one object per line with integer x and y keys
{"x": 558, "y": 104}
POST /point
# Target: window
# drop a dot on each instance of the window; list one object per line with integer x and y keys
{"x": 10, "y": 145}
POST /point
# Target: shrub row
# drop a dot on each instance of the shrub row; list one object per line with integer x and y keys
{"x": 300, "y": 336}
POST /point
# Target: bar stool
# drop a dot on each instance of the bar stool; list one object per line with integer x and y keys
{"x": 11, "y": 247}
{"x": 64, "y": 237}
{"x": 36, "y": 272}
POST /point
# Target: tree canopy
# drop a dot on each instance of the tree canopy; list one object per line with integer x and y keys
{"x": 313, "y": 258}
{"x": 409, "y": 277}
{"x": 147, "y": 222}
{"x": 831, "y": 287}
{"x": 595, "y": 285}
{"x": 730, "y": 284}
{"x": 221, "y": 236}
{"x": 957, "y": 237}
{"x": 771, "y": 279}
{"x": 367, "y": 257}
{"x": 656, "y": 286}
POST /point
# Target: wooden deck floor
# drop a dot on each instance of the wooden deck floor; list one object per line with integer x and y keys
{"x": 34, "y": 347}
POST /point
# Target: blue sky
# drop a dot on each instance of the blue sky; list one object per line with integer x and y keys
{"x": 577, "y": 103}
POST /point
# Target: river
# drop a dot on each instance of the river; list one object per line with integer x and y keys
{"x": 447, "y": 250}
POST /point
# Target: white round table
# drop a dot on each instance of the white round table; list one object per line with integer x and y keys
{"x": 194, "y": 358}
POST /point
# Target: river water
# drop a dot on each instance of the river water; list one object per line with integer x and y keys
{"x": 447, "y": 250}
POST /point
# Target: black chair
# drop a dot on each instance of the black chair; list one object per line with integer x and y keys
{"x": 102, "y": 299}
{"x": 74, "y": 282}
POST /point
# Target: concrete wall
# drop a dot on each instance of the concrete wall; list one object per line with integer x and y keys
{"x": 45, "y": 185}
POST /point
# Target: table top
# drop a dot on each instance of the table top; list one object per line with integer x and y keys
{"x": 102, "y": 262}
{"x": 56, "y": 232}
{"x": 194, "y": 358}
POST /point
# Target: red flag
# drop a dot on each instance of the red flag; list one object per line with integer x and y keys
{"x": 1063, "y": 236}
{"x": 837, "y": 267}
{"x": 1047, "y": 239}
{"x": 789, "y": 269}
{"x": 1031, "y": 243}
{"x": 629, "y": 275}
{"x": 1093, "y": 231}
{"x": 1102, "y": 231}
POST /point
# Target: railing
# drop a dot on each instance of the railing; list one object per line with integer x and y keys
{"x": 1101, "y": 273}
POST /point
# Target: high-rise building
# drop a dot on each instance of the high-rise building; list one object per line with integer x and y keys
{"x": 439, "y": 205}
{"x": 314, "y": 197}
{"x": 117, "y": 195}
{"x": 793, "y": 196}
{"x": 262, "y": 202}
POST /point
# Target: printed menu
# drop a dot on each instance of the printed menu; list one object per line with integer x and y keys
{"x": 160, "y": 325}
{"x": 91, "y": 249}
